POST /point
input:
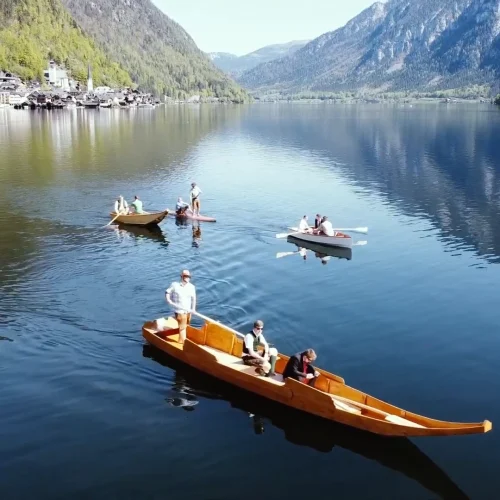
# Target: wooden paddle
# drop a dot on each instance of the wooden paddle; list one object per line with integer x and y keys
{"x": 113, "y": 220}
{"x": 279, "y": 255}
{"x": 210, "y": 320}
{"x": 362, "y": 230}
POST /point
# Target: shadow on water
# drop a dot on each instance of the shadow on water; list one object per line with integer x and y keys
{"x": 398, "y": 454}
{"x": 154, "y": 233}
{"x": 322, "y": 252}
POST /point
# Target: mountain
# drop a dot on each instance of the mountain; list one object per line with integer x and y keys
{"x": 157, "y": 52}
{"x": 236, "y": 65}
{"x": 34, "y": 31}
{"x": 393, "y": 46}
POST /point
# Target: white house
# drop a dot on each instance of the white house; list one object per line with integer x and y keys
{"x": 16, "y": 99}
{"x": 103, "y": 90}
{"x": 57, "y": 76}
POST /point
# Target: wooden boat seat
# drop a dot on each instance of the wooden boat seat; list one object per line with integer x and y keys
{"x": 340, "y": 405}
{"x": 394, "y": 419}
{"x": 237, "y": 364}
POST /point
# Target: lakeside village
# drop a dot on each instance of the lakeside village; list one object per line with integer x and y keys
{"x": 60, "y": 91}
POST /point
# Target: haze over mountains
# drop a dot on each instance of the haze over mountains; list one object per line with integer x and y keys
{"x": 235, "y": 65}
{"x": 397, "y": 45}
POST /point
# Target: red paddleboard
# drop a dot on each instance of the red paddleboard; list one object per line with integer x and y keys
{"x": 189, "y": 215}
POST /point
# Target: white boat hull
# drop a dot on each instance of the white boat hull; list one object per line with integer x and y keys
{"x": 339, "y": 240}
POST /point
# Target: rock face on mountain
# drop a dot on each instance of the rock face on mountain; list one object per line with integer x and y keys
{"x": 397, "y": 45}
{"x": 157, "y": 52}
{"x": 235, "y": 65}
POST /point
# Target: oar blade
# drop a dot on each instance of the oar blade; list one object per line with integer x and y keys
{"x": 280, "y": 255}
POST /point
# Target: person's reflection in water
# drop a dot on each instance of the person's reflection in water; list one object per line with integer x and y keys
{"x": 258, "y": 423}
{"x": 196, "y": 234}
{"x": 323, "y": 256}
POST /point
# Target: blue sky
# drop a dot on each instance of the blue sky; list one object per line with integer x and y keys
{"x": 241, "y": 27}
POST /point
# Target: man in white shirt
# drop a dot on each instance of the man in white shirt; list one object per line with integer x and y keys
{"x": 182, "y": 296}
{"x": 194, "y": 194}
{"x": 121, "y": 205}
{"x": 304, "y": 226}
{"x": 326, "y": 227}
{"x": 265, "y": 360}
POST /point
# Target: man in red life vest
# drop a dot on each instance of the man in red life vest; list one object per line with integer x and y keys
{"x": 299, "y": 367}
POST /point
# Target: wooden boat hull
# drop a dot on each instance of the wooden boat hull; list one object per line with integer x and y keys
{"x": 338, "y": 252}
{"x": 216, "y": 351}
{"x": 147, "y": 219}
{"x": 340, "y": 240}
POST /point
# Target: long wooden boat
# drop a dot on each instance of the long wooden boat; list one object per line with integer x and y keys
{"x": 339, "y": 240}
{"x": 217, "y": 351}
{"x": 145, "y": 219}
{"x": 321, "y": 250}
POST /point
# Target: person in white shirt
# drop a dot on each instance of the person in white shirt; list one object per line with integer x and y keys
{"x": 304, "y": 226}
{"x": 121, "y": 205}
{"x": 181, "y": 206}
{"x": 326, "y": 227}
{"x": 182, "y": 296}
{"x": 194, "y": 195}
{"x": 265, "y": 360}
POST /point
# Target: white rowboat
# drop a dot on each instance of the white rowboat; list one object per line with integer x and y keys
{"x": 339, "y": 240}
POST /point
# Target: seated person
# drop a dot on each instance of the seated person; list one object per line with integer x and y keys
{"x": 325, "y": 227}
{"x": 304, "y": 226}
{"x": 299, "y": 367}
{"x": 253, "y": 357}
{"x": 181, "y": 207}
{"x": 137, "y": 205}
{"x": 121, "y": 206}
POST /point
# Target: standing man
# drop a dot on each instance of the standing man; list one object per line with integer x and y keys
{"x": 253, "y": 357}
{"x": 182, "y": 296}
{"x": 194, "y": 194}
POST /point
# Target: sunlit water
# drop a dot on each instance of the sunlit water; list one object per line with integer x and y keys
{"x": 88, "y": 411}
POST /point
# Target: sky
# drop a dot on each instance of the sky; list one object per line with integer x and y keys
{"x": 242, "y": 27}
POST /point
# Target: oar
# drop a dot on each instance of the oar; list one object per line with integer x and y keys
{"x": 113, "y": 220}
{"x": 279, "y": 255}
{"x": 362, "y": 230}
{"x": 210, "y": 320}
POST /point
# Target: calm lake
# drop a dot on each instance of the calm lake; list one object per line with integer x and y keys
{"x": 88, "y": 410}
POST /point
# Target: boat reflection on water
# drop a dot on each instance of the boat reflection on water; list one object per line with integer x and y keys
{"x": 398, "y": 454}
{"x": 141, "y": 232}
{"x": 182, "y": 222}
{"x": 321, "y": 252}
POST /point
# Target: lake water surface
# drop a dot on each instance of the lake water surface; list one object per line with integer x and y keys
{"x": 87, "y": 410}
